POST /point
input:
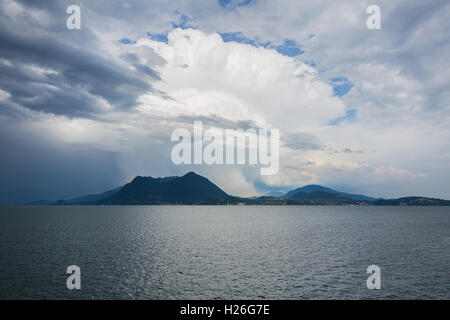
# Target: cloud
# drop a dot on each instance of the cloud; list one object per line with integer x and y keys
{"x": 35, "y": 166}
{"x": 216, "y": 121}
{"x": 235, "y": 81}
{"x": 348, "y": 150}
{"x": 356, "y": 108}
{"x": 302, "y": 141}
{"x": 397, "y": 172}
{"x": 43, "y": 71}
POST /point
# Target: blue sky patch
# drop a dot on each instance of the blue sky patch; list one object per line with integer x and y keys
{"x": 341, "y": 86}
{"x": 183, "y": 21}
{"x": 126, "y": 41}
{"x": 161, "y": 37}
{"x": 350, "y": 116}
{"x": 244, "y": 3}
{"x": 225, "y": 3}
{"x": 290, "y": 48}
{"x": 237, "y": 37}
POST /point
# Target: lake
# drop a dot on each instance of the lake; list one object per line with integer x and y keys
{"x": 224, "y": 252}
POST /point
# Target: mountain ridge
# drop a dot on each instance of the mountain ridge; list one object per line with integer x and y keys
{"x": 188, "y": 189}
{"x": 316, "y": 191}
{"x": 192, "y": 188}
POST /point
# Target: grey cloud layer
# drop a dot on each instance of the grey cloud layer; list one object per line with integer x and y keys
{"x": 400, "y": 74}
{"x": 74, "y": 76}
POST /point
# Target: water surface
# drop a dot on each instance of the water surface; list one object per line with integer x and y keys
{"x": 224, "y": 252}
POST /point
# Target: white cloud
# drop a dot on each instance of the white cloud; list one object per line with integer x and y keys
{"x": 397, "y": 172}
{"x": 400, "y": 76}
{"x": 238, "y": 82}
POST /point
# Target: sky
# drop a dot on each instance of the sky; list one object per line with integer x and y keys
{"x": 86, "y": 110}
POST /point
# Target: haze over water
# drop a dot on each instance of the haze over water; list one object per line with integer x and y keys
{"x": 225, "y": 252}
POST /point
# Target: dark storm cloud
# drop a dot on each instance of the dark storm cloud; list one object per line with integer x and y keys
{"x": 46, "y": 67}
{"x": 78, "y": 77}
{"x": 34, "y": 168}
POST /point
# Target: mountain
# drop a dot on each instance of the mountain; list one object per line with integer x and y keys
{"x": 274, "y": 194}
{"x": 309, "y": 189}
{"x": 195, "y": 189}
{"x": 412, "y": 201}
{"x": 319, "y": 192}
{"x": 188, "y": 189}
{"x": 89, "y": 199}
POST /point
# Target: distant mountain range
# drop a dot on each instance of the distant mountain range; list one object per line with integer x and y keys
{"x": 195, "y": 189}
{"x": 274, "y": 194}
{"x": 90, "y": 199}
{"x": 319, "y": 192}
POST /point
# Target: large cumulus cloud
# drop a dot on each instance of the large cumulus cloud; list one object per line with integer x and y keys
{"x": 275, "y": 64}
